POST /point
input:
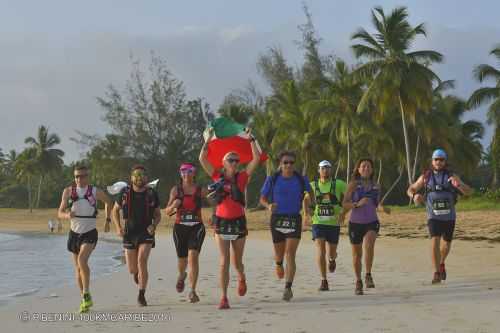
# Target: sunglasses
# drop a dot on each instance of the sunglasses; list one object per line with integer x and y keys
{"x": 233, "y": 160}
{"x": 138, "y": 174}
{"x": 439, "y": 159}
{"x": 81, "y": 176}
{"x": 288, "y": 162}
{"x": 187, "y": 171}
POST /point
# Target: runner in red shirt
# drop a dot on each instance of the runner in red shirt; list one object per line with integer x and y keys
{"x": 229, "y": 220}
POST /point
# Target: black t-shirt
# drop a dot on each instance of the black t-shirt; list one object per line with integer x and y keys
{"x": 137, "y": 219}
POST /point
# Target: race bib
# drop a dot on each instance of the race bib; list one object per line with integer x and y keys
{"x": 325, "y": 212}
{"x": 286, "y": 224}
{"x": 441, "y": 207}
{"x": 189, "y": 219}
{"x": 229, "y": 230}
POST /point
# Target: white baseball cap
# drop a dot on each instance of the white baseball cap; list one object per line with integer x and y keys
{"x": 324, "y": 164}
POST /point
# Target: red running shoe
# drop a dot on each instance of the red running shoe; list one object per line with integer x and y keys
{"x": 442, "y": 272}
{"x": 224, "y": 303}
{"x": 242, "y": 287}
{"x": 280, "y": 271}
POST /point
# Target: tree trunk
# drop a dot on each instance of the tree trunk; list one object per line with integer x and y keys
{"x": 407, "y": 143}
{"x": 30, "y": 204}
{"x": 39, "y": 192}
{"x": 338, "y": 169}
{"x": 393, "y": 185}
{"x": 415, "y": 163}
{"x": 348, "y": 155}
{"x": 379, "y": 171}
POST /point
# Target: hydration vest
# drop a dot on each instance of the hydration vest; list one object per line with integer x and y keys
{"x": 233, "y": 192}
{"x": 444, "y": 186}
{"x": 89, "y": 196}
{"x": 197, "y": 199}
{"x": 318, "y": 195}
{"x": 126, "y": 200}
{"x": 360, "y": 191}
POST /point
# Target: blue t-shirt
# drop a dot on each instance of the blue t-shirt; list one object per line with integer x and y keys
{"x": 287, "y": 193}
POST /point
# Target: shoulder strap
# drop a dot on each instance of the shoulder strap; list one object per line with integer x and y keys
{"x": 74, "y": 194}
{"x": 274, "y": 178}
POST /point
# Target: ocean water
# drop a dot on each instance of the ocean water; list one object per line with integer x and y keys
{"x": 30, "y": 264}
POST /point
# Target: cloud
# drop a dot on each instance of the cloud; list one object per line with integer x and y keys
{"x": 55, "y": 81}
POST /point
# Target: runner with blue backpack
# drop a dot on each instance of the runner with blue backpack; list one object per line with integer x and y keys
{"x": 441, "y": 188}
{"x": 284, "y": 194}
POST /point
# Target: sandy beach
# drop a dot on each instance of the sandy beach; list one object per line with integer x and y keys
{"x": 403, "y": 301}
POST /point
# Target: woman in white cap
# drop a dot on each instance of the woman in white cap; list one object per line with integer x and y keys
{"x": 327, "y": 196}
{"x": 441, "y": 187}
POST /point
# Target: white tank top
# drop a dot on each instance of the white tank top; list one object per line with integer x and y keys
{"x": 82, "y": 207}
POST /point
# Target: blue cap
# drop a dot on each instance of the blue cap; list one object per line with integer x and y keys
{"x": 439, "y": 153}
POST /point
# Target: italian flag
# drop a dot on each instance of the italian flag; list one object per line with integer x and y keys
{"x": 229, "y": 136}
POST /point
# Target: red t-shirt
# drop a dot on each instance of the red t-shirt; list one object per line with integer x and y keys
{"x": 228, "y": 208}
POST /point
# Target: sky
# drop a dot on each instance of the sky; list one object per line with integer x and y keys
{"x": 57, "y": 57}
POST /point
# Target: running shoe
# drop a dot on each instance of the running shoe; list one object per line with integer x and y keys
{"x": 287, "y": 294}
{"x": 369, "y": 281}
{"x": 180, "y": 283}
{"x": 83, "y": 308}
{"x": 332, "y": 265}
{"x": 141, "y": 299}
{"x": 224, "y": 303}
{"x": 324, "y": 286}
{"x": 193, "y": 298}
{"x": 87, "y": 300}
{"x": 437, "y": 278}
{"x": 359, "y": 288}
{"x": 442, "y": 272}
{"x": 242, "y": 287}
{"x": 280, "y": 271}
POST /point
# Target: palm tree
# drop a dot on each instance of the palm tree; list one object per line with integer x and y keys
{"x": 25, "y": 168}
{"x": 486, "y": 95}
{"x": 297, "y": 123}
{"x": 48, "y": 159}
{"x": 396, "y": 76}
{"x": 341, "y": 100}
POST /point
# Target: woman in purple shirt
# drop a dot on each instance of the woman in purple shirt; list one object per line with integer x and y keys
{"x": 362, "y": 196}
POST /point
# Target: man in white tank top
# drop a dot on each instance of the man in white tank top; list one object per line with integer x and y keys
{"x": 79, "y": 205}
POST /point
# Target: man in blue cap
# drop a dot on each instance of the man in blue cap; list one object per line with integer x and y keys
{"x": 441, "y": 187}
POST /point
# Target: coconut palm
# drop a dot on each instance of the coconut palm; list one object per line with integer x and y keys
{"x": 297, "y": 123}
{"x": 47, "y": 159}
{"x": 491, "y": 95}
{"x": 25, "y": 168}
{"x": 397, "y": 76}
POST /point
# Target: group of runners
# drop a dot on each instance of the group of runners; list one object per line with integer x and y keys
{"x": 292, "y": 200}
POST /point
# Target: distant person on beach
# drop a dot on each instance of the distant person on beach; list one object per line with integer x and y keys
{"x": 51, "y": 226}
{"x": 283, "y": 194}
{"x": 441, "y": 188}
{"x": 81, "y": 200}
{"x": 189, "y": 232}
{"x": 363, "y": 198}
{"x": 229, "y": 220}
{"x": 327, "y": 196}
{"x": 140, "y": 208}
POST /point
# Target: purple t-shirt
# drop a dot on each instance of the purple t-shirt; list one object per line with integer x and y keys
{"x": 368, "y": 212}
